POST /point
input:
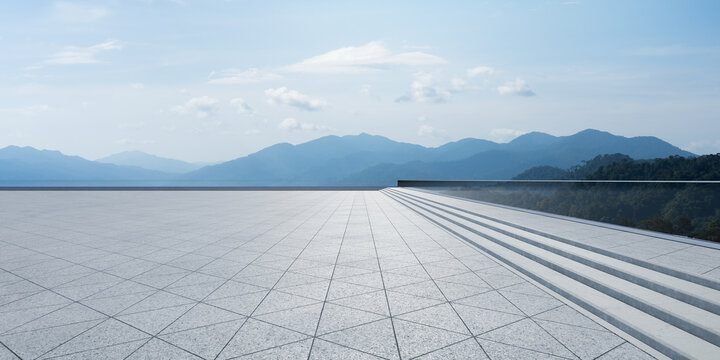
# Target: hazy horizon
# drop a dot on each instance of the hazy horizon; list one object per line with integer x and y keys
{"x": 216, "y": 80}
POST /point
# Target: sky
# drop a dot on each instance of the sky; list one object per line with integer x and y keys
{"x": 212, "y": 80}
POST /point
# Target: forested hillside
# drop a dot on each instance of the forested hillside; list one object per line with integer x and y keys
{"x": 684, "y": 209}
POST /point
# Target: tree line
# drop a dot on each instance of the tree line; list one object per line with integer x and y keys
{"x": 691, "y": 210}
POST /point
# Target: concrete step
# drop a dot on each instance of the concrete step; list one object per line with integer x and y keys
{"x": 467, "y": 206}
{"x": 686, "y": 316}
{"x": 695, "y": 294}
{"x": 673, "y": 327}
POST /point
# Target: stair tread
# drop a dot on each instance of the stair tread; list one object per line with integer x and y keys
{"x": 702, "y": 292}
{"x": 674, "y": 338}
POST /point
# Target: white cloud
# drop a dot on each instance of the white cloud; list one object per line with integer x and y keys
{"x": 201, "y": 107}
{"x": 241, "y": 106}
{"x": 458, "y": 84}
{"x": 77, "y": 13}
{"x": 253, "y": 132}
{"x": 30, "y": 110}
{"x": 480, "y": 70}
{"x": 313, "y": 127}
{"x": 373, "y": 56}
{"x": 517, "y": 87}
{"x": 463, "y": 83}
{"x": 137, "y": 85}
{"x": 82, "y": 55}
{"x": 424, "y": 90}
{"x": 290, "y": 124}
{"x": 285, "y": 96}
{"x": 235, "y": 76}
{"x": 505, "y": 135}
{"x": 425, "y": 130}
{"x": 429, "y": 131}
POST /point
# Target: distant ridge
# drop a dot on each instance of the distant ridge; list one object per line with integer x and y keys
{"x": 364, "y": 160}
{"x": 150, "y": 162}
{"x": 22, "y": 165}
{"x": 533, "y": 149}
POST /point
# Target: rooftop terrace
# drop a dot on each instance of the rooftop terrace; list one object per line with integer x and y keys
{"x": 392, "y": 274}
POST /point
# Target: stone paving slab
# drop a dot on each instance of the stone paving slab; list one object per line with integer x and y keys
{"x": 264, "y": 274}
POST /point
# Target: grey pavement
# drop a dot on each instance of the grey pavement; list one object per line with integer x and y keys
{"x": 265, "y": 275}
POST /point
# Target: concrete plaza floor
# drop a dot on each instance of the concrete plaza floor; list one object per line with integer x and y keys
{"x": 265, "y": 274}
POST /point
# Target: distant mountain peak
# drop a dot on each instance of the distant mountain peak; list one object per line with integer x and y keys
{"x": 595, "y": 134}
{"x": 534, "y": 135}
{"x": 593, "y": 131}
{"x": 532, "y": 140}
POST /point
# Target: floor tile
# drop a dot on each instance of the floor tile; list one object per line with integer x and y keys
{"x": 529, "y": 335}
{"x": 416, "y": 339}
{"x": 466, "y": 349}
{"x": 156, "y": 349}
{"x": 256, "y": 336}
{"x": 376, "y": 338}
{"x": 206, "y": 341}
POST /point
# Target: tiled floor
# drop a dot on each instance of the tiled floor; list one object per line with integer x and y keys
{"x": 278, "y": 274}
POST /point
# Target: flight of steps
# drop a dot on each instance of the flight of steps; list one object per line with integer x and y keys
{"x": 676, "y": 313}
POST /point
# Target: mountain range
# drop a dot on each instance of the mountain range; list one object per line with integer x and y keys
{"x": 332, "y": 161}
{"x": 151, "y": 162}
{"x": 29, "y": 166}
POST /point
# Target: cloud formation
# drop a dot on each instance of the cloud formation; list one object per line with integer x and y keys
{"x": 372, "y": 56}
{"x": 285, "y": 96}
{"x": 241, "y": 106}
{"x": 427, "y": 130}
{"x": 201, "y": 107}
{"x": 73, "y": 55}
{"x": 290, "y": 124}
{"x": 480, "y": 70}
{"x": 505, "y": 135}
{"x": 518, "y": 87}
{"x": 424, "y": 90}
{"x": 236, "y": 76}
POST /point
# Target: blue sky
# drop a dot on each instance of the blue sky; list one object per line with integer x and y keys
{"x": 213, "y": 80}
